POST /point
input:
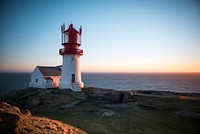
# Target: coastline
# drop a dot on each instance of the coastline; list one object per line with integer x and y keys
{"x": 97, "y": 110}
{"x": 119, "y": 81}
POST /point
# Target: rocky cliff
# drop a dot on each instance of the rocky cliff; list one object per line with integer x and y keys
{"x": 12, "y": 120}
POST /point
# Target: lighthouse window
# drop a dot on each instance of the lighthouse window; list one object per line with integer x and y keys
{"x": 79, "y": 39}
{"x": 66, "y": 38}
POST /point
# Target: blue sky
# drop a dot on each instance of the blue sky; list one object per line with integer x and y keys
{"x": 118, "y": 36}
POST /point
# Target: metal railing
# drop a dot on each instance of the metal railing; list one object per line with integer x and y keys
{"x": 71, "y": 51}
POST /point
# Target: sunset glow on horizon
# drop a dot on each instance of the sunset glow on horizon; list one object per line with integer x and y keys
{"x": 118, "y": 36}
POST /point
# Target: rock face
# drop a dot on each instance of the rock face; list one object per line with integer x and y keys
{"x": 31, "y": 98}
{"x": 114, "y": 96}
{"x": 104, "y": 95}
{"x": 13, "y": 121}
{"x": 98, "y": 111}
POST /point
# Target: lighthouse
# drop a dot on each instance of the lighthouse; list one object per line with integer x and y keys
{"x": 71, "y": 73}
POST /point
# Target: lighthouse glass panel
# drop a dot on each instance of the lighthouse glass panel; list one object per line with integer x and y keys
{"x": 66, "y": 38}
{"x": 79, "y": 39}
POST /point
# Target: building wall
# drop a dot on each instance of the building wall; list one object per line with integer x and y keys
{"x": 37, "y": 79}
{"x": 78, "y": 71}
{"x": 56, "y": 80}
{"x": 48, "y": 83}
{"x": 66, "y": 72}
{"x": 71, "y": 65}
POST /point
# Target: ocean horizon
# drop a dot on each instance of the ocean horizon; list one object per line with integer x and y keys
{"x": 175, "y": 82}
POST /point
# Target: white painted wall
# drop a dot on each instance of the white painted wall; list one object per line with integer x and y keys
{"x": 71, "y": 65}
{"x": 56, "y": 80}
{"x": 78, "y": 71}
{"x": 48, "y": 83}
{"x": 66, "y": 72}
{"x": 37, "y": 75}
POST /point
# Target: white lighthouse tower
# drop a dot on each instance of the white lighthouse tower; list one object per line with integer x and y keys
{"x": 71, "y": 73}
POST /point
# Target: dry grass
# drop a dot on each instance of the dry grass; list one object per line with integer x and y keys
{"x": 26, "y": 123}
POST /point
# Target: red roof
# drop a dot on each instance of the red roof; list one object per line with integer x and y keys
{"x": 50, "y": 71}
{"x": 71, "y": 29}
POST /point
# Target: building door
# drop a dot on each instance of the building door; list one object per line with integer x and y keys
{"x": 73, "y": 77}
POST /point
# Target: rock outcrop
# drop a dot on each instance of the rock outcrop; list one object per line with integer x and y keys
{"x": 115, "y": 96}
{"x": 12, "y": 120}
{"x": 98, "y": 111}
{"x": 31, "y": 98}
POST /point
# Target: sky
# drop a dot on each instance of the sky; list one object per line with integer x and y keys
{"x": 117, "y": 36}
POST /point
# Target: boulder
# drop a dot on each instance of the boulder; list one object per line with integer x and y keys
{"x": 13, "y": 121}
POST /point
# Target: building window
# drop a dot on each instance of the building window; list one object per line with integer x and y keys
{"x": 73, "y": 77}
{"x": 36, "y": 80}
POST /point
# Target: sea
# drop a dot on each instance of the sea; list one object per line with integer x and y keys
{"x": 176, "y": 82}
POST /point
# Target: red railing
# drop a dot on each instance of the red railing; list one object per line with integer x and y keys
{"x": 70, "y": 51}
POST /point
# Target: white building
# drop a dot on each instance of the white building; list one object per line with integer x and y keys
{"x": 46, "y": 77}
{"x": 69, "y": 75}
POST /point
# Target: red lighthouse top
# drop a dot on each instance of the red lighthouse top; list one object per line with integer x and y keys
{"x": 71, "y": 40}
{"x": 71, "y": 29}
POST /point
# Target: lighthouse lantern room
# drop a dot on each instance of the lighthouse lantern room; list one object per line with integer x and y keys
{"x": 71, "y": 73}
